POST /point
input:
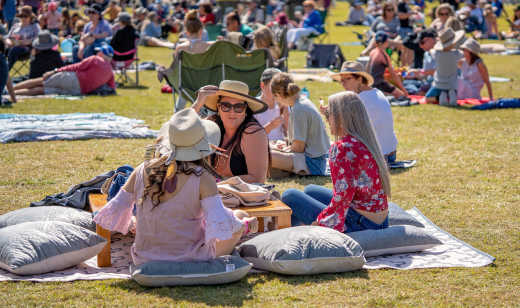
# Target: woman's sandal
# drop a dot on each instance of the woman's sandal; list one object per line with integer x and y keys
{"x": 251, "y": 224}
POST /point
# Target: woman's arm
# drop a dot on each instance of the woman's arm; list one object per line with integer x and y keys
{"x": 485, "y": 76}
{"x": 393, "y": 74}
{"x": 255, "y": 147}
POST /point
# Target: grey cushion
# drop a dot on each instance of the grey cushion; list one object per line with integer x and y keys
{"x": 49, "y": 213}
{"x": 40, "y": 247}
{"x": 303, "y": 250}
{"x": 398, "y": 216}
{"x": 394, "y": 240}
{"x": 221, "y": 270}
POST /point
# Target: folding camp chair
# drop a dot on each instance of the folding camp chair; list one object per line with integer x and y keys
{"x": 325, "y": 35}
{"x": 223, "y": 60}
{"x": 213, "y": 31}
{"x": 121, "y": 68}
{"x": 281, "y": 37}
{"x": 20, "y": 69}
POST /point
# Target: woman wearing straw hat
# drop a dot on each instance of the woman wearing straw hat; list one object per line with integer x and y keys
{"x": 244, "y": 140}
{"x": 21, "y": 36}
{"x": 359, "y": 175}
{"x": 474, "y": 73}
{"x": 180, "y": 216}
{"x": 354, "y": 78}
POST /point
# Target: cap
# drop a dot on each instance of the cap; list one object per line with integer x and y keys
{"x": 426, "y": 33}
{"x": 269, "y": 73}
{"x": 107, "y": 50}
{"x": 381, "y": 37}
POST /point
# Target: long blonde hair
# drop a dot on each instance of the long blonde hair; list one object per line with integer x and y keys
{"x": 264, "y": 38}
{"x": 350, "y": 117}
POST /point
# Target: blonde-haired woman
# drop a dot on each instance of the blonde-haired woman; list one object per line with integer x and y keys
{"x": 360, "y": 178}
{"x": 445, "y": 18}
{"x": 193, "y": 30}
{"x": 308, "y": 142}
{"x": 180, "y": 216}
{"x": 263, "y": 38}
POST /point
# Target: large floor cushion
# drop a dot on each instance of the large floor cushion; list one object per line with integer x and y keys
{"x": 49, "y": 213}
{"x": 398, "y": 216}
{"x": 303, "y": 250}
{"x": 224, "y": 269}
{"x": 394, "y": 240}
{"x": 40, "y": 247}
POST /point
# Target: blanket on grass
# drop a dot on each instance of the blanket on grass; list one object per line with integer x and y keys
{"x": 418, "y": 99}
{"x": 452, "y": 253}
{"x": 71, "y": 126}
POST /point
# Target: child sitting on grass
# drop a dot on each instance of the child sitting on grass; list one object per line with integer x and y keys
{"x": 447, "y": 55}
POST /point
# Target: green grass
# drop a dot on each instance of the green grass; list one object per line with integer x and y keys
{"x": 466, "y": 181}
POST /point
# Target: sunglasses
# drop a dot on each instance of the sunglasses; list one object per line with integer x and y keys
{"x": 444, "y": 14}
{"x": 237, "y": 108}
{"x": 389, "y": 10}
{"x": 24, "y": 16}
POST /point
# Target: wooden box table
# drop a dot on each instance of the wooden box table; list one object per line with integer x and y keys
{"x": 280, "y": 212}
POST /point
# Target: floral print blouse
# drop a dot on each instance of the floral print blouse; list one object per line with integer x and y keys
{"x": 356, "y": 183}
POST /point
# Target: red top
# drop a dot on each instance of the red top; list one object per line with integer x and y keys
{"x": 92, "y": 73}
{"x": 355, "y": 177}
{"x": 208, "y": 18}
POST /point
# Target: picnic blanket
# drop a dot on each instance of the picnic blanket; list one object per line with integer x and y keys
{"x": 452, "y": 253}
{"x": 500, "y": 103}
{"x": 461, "y": 102}
{"x": 311, "y": 74}
{"x": 71, "y": 126}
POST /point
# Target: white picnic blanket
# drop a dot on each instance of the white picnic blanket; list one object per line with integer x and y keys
{"x": 452, "y": 253}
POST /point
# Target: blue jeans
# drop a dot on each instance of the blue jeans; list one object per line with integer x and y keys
{"x": 316, "y": 165}
{"x": 4, "y": 73}
{"x": 308, "y": 204}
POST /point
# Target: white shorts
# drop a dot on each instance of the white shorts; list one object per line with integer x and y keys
{"x": 62, "y": 83}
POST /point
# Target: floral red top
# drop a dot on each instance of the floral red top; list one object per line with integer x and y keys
{"x": 356, "y": 183}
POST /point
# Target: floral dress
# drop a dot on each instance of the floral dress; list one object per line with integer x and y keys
{"x": 356, "y": 183}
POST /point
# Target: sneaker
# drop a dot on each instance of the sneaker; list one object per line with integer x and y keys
{"x": 453, "y": 98}
{"x": 5, "y": 103}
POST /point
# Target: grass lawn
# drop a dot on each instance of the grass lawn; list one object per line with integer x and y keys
{"x": 466, "y": 181}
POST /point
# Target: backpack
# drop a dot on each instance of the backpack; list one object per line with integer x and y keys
{"x": 325, "y": 55}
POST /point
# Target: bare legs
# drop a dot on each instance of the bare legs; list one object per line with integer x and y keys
{"x": 226, "y": 247}
{"x": 30, "y": 87}
{"x": 155, "y": 42}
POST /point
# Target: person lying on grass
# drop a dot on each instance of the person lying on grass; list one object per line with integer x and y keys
{"x": 353, "y": 77}
{"x": 74, "y": 79}
{"x": 360, "y": 178}
{"x": 308, "y": 142}
{"x": 244, "y": 140}
{"x": 180, "y": 216}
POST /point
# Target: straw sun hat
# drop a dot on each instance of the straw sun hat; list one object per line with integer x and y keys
{"x": 235, "y": 89}
{"x": 449, "y": 38}
{"x": 353, "y": 68}
{"x": 471, "y": 45}
{"x": 186, "y": 137}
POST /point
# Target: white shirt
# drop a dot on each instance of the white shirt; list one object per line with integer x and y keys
{"x": 380, "y": 114}
{"x": 267, "y": 116}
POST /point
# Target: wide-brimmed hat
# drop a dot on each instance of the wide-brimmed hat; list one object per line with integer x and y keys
{"x": 471, "y": 45}
{"x": 45, "y": 40}
{"x": 355, "y": 68}
{"x": 187, "y": 137}
{"x": 449, "y": 38}
{"x": 235, "y": 89}
{"x": 124, "y": 17}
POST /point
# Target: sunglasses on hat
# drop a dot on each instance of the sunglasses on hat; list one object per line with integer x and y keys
{"x": 237, "y": 108}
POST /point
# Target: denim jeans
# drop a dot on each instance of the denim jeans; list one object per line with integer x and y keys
{"x": 4, "y": 73}
{"x": 307, "y": 205}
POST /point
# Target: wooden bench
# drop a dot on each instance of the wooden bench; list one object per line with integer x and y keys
{"x": 280, "y": 212}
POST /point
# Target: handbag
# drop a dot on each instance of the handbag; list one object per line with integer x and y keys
{"x": 235, "y": 192}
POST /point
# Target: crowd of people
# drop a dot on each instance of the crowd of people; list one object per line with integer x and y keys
{"x": 226, "y": 132}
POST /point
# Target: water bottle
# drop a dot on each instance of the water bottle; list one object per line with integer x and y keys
{"x": 305, "y": 92}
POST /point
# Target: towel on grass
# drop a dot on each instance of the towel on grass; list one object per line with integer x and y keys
{"x": 71, "y": 126}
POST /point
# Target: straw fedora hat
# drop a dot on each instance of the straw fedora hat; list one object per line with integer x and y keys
{"x": 471, "y": 45}
{"x": 186, "y": 137}
{"x": 235, "y": 89}
{"x": 450, "y": 38}
{"x": 354, "y": 68}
